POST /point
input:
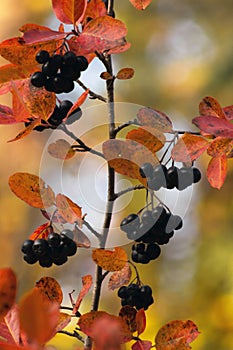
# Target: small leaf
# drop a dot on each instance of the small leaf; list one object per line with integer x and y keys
{"x": 8, "y": 286}
{"x": 69, "y": 210}
{"x": 42, "y": 231}
{"x": 81, "y": 99}
{"x": 142, "y": 345}
{"x": 50, "y": 289}
{"x": 87, "y": 283}
{"x": 106, "y": 76}
{"x": 176, "y": 335}
{"x": 151, "y": 138}
{"x": 95, "y": 9}
{"x": 128, "y": 315}
{"x": 61, "y": 149}
{"x": 141, "y": 321}
{"x": 125, "y": 73}
{"x": 38, "y": 317}
{"x": 154, "y": 119}
{"x": 214, "y": 126}
{"x": 120, "y": 278}
{"x": 32, "y": 190}
{"x": 81, "y": 239}
{"x": 110, "y": 260}
{"x": 210, "y": 106}
{"x": 189, "y": 147}
{"x": 228, "y": 111}
{"x": 6, "y": 115}
{"x": 10, "y": 327}
{"x": 69, "y": 11}
{"x": 140, "y": 4}
{"x": 11, "y": 72}
{"x": 42, "y": 35}
{"x": 220, "y": 146}
{"x": 217, "y": 171}
{"x": 64, "y": 320}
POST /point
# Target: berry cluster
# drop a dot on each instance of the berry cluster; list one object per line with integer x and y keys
{"x": 58, "y": 115}
{"x": 134, "y": 295}
{"x": 56, "y": 249}
{"x": 159, "y": 176}
{"x": 58, "y": 72}
{"x": 154, "y": 227}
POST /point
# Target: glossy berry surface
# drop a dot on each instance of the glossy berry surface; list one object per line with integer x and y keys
{"x": 42, "y": 56}
{"x": 136, "y": 296}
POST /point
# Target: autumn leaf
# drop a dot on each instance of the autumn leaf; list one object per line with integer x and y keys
{"x": 228, "y": 111}
{"x": 220, "y": 146}
{"x": 4, "y": 346}
{"x": 209, "y": 106}
{"x": 69, "y": 11}
{"x": 176, "y": 335}
{"x": 40, "y": 35}
{"x": 6, "y": 115}
{"x": 109, "y": 260}
{"x": 42, "y": 231}
{"x": 217, "y": 171}
{"x": 120, "y": 278}
{"x": 116, "y": 331}
{"x": 189, "y": 147}
{"x": 50, "y": 289}
{"x": 151, "y": 138}
{"x": 106, "y": 76}
{"x": 69, "y": 210}
{"x": 12, "y": 71}
{"x": 32, "y": 190}
{"x": 100, "y": 34}
{"x": 61, "y": 149}
{"x": 154, "y": 119}
{"x": 140, "y": 4}
{"x": 81, "y": 239}
{"x": 38, "y": 317}
{"x": 95, "y": 9}
{"x": 87, "y": 283}
{"x": 63, "y": 321}
{"x": 10, "y": 327}
{"x": 141, "y": 321}
{"x": 81, "y": 99}
{"x": 128, "y": 315}
{"x": 125, "y": 73}
{"x": 8, "y": 286}
{"x": 142, "y": 345}
{"x": 214, "y": 126}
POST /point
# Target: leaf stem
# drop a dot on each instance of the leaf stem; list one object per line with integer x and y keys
{"x": 92, "y": 94}
{"x": 90, "y": 228}
{"x": 129, "y": 189}
{"x": 74, "y": 334}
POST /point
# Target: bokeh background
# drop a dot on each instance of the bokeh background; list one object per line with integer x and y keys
{"x": 181, "y": 51}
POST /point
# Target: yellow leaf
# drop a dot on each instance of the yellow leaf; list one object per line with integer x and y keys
{"x": 110, "y": 260}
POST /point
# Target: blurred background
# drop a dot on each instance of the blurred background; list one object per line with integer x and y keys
{"x": 181, "y": 51}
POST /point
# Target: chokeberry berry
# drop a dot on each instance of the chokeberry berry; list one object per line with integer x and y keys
{"x": 146, "y": 170}
{"x": 42, "y": 56}
{"x": 38, "y": 79}
{"x": 27, "y": 246}
{"x": 196, "y": 175}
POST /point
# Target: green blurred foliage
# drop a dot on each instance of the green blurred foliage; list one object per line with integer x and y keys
{"x": 181, "y": 51}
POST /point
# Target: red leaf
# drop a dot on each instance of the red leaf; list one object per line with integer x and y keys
{"x": 101, "y": 34}
{"x": 217, "y": 171}
{"x": 141, "y": 321}
{"x": 140, "y": 4}
{"x": 6, "y": 115}
{"x": 209, "y": 106}
{"x": 87, "y": 283}
{"x": 176, "y": 335}
{"x": 41, "y": 232}
{"x": 128, "y": 315}
{"x": 39, "y": 36}
{"x": 189, "y": 147}
{"x": 38, "y": 317}
{"x": 142, "y": 345}
{"x": 95, "y": 8}
{"x": 228, "y": 112}
{"x": 154, "y": 119}
{"x": 11, "y": 72}
{"x": 214, "y": 126}
{"x": 119, "y": 49}
{"x": 69, "y": 11}
{"x": 81, "y": 99}
{"x": 8, "y": 286}
{"x": 220, "y": 146}
{"x": 10, "y": 327}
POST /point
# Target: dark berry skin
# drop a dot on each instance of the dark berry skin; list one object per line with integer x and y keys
{"x": 69, "y": 58}
{"x": 38, "y": 79}
{"x": 49, "y": 69}
{"x": 146, "y": 170}
{"x": 172, "y": 177}
{"x": 40, "y": 247}
{"x": 146, "y": 290}
{"x": 122, "y": 292}
{"x": 54, "y": 239}
{"x": 70, "y": 248}
{"x": 153, "y": 251}
{"x": 27, "y": 246}
{"x": 130, "y": 223}
{"x": 196, "y": 175}
{"x": 74, "y": 116}
{"x": 30, "y": 259}
{"x": 45, "y": 261}
{"x": 42, "y": 56}
{"x": 82, "y": 62}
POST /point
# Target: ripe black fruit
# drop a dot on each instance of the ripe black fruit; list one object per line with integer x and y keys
{"x": 146, "y": 170}
{"x": 27, "y": 246}
{"x": 42, "y": 56}
{"x": 38, "y": 79}
{"x": 40, "y": 247}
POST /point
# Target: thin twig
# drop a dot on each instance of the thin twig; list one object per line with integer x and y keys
{"x": 74, "y": 334}
{"x": 129, "y": 189}
{"x": 124, "y": 125}
{"x": 90, "y": 228}
{"x": 92, "y": 94}
{"x": 184, "y": 132}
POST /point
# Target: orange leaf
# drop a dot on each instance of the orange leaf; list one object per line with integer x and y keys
{"x": 151, "y": 138}
{"x": 69, "y": 11}
{"x": 50, "y": 289}
{"x": 154, "y": 119}
{"x": 140, "y": 4}
{"x": 125, "y": 73}
{"x": 189, "y": 147}
{"x": 110, "y": 260}
{"x": 106, "y": 76}
{"x": 61, "y": 149}
{"x": 69, "y": 210}
{"x": 220, "y": 146}
{"x": 38, "y": 317}
{"x": 95, "y": 8}
{"x": 10, "y": 327}
{"x": 128, "y": 315}
{"x": 42, "y": 231}
{"x": 126, "y": 157}
{"x": 81, "y": 99}
{"x": 32, "y": 190}
{"x": 87, "y": 283}
{"x": 64, "y": 320}
{"x": 26, "y": 131}
{"x": 217, "y": 171}
{"x": 101, "y": 34}
{"x": 142, "y": 345}
{"x": 141, "y": 321}
{"x": 4, "y": 346}
{"x": 210, "y": 106}
{"x": 120, "y": 278}
{"x": 176, "y": 335}
{"x": 8, "y": 286}
{"x": 115, "y": 329}
{"x": 11, "y": 72}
